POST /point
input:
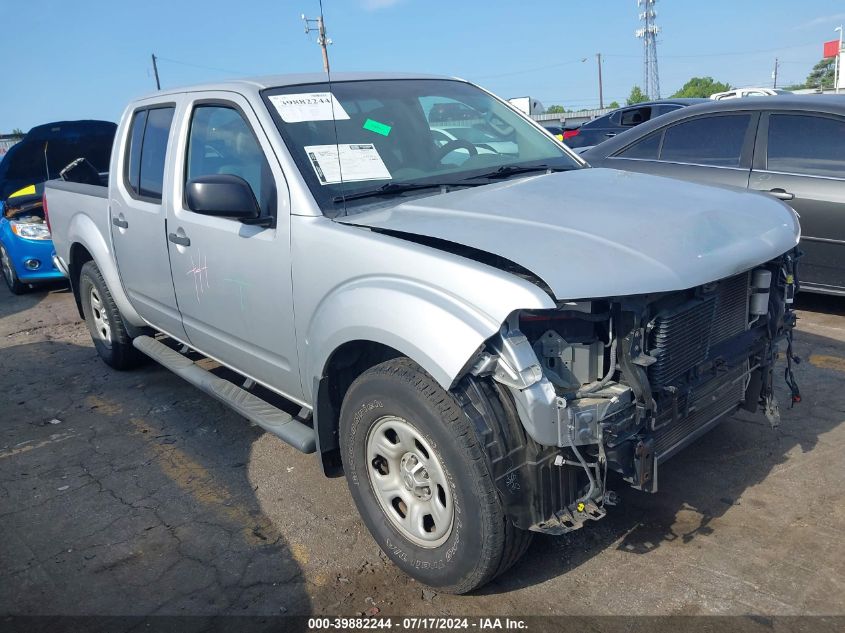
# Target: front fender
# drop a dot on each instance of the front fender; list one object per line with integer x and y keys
{"x": 84, "y": 231}
{"x": 437, "y": 329}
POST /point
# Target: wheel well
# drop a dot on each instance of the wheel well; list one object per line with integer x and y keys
{"x": 346, "y": 363}
{"x": 79, "y": 255}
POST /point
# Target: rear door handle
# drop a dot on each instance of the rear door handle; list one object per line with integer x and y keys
{"x": 179, "y": 239}
{"x": 120, "y": 223}
{"x": 610, "y": 134}
{"x": 782, "y": 194}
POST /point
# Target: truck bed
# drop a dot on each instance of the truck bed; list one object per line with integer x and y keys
{"x": 75, "y": 207}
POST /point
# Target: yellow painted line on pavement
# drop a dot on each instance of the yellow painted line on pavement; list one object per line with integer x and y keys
{"x": 835, "y": 363}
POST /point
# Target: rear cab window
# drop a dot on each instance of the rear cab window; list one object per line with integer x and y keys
{"x": 145, "y": 156}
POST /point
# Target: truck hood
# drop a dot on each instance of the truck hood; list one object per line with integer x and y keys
{"x": 601, "y": 232}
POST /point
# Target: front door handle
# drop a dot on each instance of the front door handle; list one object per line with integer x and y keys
{"x": 181, "y": 240}
{"x": 782, "y": 194}
{"x": 610, "y": 134}
{"x": 120, "y": 223}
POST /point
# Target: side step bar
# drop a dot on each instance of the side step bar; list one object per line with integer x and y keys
{"x": 270, "y": 418}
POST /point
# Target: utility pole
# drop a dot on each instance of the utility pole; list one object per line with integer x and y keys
{"x": 601, "y": 94}
{"x": 155, "y": 70}
{"x": 322, "y": 40}
{"x": 837, "y": 65}
{"x": 775, "y": 75}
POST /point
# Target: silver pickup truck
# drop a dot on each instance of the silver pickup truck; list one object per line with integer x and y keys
{"x": 410, "y": 278}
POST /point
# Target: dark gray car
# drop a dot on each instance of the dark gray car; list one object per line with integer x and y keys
{"x": 624, "y": 118}
{"x": 792, "y": 147}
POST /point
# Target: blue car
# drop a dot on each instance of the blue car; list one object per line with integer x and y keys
{"x": 26, "y": 250}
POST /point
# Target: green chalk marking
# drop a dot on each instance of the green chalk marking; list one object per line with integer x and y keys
{"x": 378, "y": 128}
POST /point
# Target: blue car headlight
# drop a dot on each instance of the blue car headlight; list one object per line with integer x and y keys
{"x": 30, "y": 230}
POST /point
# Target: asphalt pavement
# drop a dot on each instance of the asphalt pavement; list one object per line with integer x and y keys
{"x": 133, "y": 493}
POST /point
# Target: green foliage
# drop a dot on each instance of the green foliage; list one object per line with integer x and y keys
{"x": 18, "y": 132}
{"x": 701, "y": 87}
{"x": 613, "y": 104}
{"x": 555, "y": 109}
{"x": 636, "y": 96}
{"x": 821, "y": 76}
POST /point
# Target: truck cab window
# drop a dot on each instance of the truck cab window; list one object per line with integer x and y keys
{"x": 156, "y": 133}
{"x": 222, "y": 142}
{"x": 133, "y": 156}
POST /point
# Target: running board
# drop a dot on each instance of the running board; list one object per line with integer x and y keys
{"x": 270, "y": 418}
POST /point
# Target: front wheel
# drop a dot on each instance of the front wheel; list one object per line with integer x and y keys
{"x": 113, "y": 343}
{"x": 9, "y": 273}
{"x": 418, "y": 475}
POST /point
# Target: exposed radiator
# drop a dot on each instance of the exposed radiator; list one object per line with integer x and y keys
{"x": 715, "y": 398}
{"x": 681, "y": 338}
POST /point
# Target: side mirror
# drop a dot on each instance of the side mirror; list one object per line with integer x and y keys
{"x": 222, "y": 195}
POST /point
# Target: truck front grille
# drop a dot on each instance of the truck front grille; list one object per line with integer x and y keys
{"x": 681, "y": 338}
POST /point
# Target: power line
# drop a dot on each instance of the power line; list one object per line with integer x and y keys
{"x": 202, "y": 66}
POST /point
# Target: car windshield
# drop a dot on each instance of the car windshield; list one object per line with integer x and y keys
{"x": 394, "y": 136}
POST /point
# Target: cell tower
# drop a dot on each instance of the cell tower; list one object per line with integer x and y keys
{"x": 648, "y": 34}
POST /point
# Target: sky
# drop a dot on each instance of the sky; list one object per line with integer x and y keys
{"x": 88, "y": 59}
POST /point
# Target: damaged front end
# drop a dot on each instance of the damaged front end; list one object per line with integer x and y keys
{"x": 624, "y": 383}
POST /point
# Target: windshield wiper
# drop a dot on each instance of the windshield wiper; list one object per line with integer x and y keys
{"x": 398, "y": 187}
{"x": 509, "y": 170}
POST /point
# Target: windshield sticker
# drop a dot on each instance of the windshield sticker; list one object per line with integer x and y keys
{"x": 352, "y": 163}
{"x": 308, "y": 106}
{"x": 378, "y": 128}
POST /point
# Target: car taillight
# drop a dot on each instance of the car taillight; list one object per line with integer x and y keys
{"x": 46, "y": 215}
{"x": 570, "y": 133}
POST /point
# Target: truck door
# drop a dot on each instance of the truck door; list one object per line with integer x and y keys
{"x": 233, "y": 280}
{"x": 138, "y": 219}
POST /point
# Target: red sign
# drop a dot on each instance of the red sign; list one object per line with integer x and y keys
{"x": 831, "y": 48}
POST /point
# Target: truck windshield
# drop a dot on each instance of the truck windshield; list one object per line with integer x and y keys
{"x": 357, "y": 137}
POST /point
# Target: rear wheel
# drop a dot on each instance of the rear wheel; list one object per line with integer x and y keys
{"x": 113, "y": 343}
{"x": 419, "y": 477}
{"x": 9, "y": 273}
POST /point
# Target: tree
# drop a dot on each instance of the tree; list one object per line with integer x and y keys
{"x": 821, "y": 76}
{"x": 555, "y": 109}
{"x": 613, "y": 105}
{"x": 701, "y": 87}
{"x": 636, "y": 96}
{"x": 18, "y": 132}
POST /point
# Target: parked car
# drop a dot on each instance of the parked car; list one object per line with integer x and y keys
{"x": 792, "y": 147}
{"x": 739, "y": 93}
{"x": 474, "y": 345}
{"x": 607, "y": 126}
{"x": 26, "y": 251}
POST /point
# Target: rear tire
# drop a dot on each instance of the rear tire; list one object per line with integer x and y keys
{"x": 419, "y": 477}
{"x": 9, "y": 273}
{"x": 113, "y": 343}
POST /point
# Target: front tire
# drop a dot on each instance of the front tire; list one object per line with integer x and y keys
{"x": 9, "y": 273}
{"x": 113, "y": 343}
{"x": 419, "y": 477}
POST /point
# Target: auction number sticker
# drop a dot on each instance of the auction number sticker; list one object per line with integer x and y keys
{"x": 308, "y": 106}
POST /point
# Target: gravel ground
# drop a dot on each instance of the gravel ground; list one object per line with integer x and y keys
{"x": 134, "y": 493}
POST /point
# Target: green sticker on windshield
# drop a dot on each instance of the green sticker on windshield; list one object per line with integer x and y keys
{"x": 378, "y": 128}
